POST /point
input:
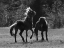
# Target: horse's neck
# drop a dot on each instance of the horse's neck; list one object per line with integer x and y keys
{"x": 28, "y": 20}
{"x": 44, "y": 22}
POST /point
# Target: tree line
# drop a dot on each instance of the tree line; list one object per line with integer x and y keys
{"x": 12, "y": 10}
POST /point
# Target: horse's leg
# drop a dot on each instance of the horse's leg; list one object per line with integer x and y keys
{"x": 46, "y": 36}
{"x": 32, "y": 34}
{"x": 36, "y": 33}
{"x": 42, "y": 35}
{"x": 21, "y": 31}
{"x": 26, "y": 35}
{"x": 15, "y": 34}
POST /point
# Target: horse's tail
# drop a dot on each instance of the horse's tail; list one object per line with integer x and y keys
{"x": 11, "y": 29}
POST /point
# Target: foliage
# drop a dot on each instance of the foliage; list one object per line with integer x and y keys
{"x": 12, "y": 10}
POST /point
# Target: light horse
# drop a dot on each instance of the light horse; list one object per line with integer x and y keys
{"x": 42, "y": 26}
{"x": 23, "y": 25}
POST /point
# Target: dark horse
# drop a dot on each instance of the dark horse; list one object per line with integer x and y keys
{"x": 23, "y": 25}
{"x": 42, "y": 26}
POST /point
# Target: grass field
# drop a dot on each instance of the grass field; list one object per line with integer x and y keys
{"x": 55, "y": 36}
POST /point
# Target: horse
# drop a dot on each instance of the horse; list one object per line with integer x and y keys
{"x": 22, "y": 25}
{"x": 42, "y": 26}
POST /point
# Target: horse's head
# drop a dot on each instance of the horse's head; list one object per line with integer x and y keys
{"x": 29, "y": 12}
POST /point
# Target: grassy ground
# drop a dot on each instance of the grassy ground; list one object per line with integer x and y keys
{"x": 55, "y": 36}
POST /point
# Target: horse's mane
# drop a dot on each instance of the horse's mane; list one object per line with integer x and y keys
{"x": 42, "y": 18}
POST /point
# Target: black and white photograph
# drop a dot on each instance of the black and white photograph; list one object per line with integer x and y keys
{"x": 31, "y": 23}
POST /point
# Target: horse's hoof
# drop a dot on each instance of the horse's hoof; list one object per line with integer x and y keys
{"x": 36, "y": 40}
{"x": 42, "y": 40}
{"x": 23, "y": 40}
{"x": 26, "y": 41}
{"x": 47, "y": 40}
{"x": 12, "y": 34}
{"x": 15, "y": 41}
{"x": 31, "y": 37}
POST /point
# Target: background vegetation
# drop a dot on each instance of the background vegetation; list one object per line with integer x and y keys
{"x": 12, "y": 10}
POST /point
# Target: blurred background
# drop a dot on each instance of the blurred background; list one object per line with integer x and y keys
{"x": 12, "y": 10}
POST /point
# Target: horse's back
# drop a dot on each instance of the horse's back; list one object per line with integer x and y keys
{"x": 41, "y": 25}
